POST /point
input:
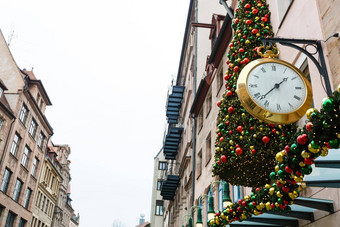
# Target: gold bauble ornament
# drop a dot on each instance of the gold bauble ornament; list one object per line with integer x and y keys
{"x": 324, "y": 151}
{"x": 279, "y": 156}
{"x": 309, "y": 112}
{"x": 278, "y": 194}
{"x": 305, "y": 154}
{"x": 271, "y": 191}
{"x": 313, "y": 150}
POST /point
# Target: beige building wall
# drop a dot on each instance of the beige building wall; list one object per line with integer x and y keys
{"x": 23, "y": 168}
{"x": 47, "y": 195}
{"x": 299, "y": 19}
{"x": 156, "y": 217}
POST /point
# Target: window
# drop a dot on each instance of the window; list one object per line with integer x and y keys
{"x": 26, "y": 156}
{"x": 27, "y": 197}
{"x": 10, "y": 219}
{"x": 199, "y": 164}
{"x": 46, "y": 205}
{"x": 22, "y": 222}
{"x": 41, "y": 139}
{"x": 236, "y": 193}
{"x": 17, "y": 190}
{"x": 15, "y": 144}
{"x": 35, "y": 166}
{"x": 38, "y": 98}
{"x": 162, "y": 165}
{"x": 23, "y": 114}
{"x": 220, "y": 196}
{"x": 1, "y": 122}
{"x": 42, "y": 203}
{"x": 159, "y": 184}
{"x": 208, "y": 149}
{"x": 159, "y": 207}
{"x": 1, "y": 91}
{"x": 200, "y": 120}
{"x": 5, "y": 180}
{"x": 220, "y": 79}
{"x": 282, "y": 9}
{"x": 1, "y": 209}
{"x": 208, "y": 103}
{"x": 33, "y": 128}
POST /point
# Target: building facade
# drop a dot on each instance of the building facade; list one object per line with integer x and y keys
{"x": 192, "y": 111}
{"x": 23, "y": 154}
{"x": 34, "y": 180}
{"x": 157, "y": 202}
{"x": 47, "y": 196}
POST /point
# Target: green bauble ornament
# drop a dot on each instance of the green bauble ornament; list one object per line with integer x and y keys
{"x": 306, "y": 170}
{"x": 334, "y": 143}
{"x": 328, "y": 104}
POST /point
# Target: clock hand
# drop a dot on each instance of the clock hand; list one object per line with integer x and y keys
{"x": 275, "y": 86}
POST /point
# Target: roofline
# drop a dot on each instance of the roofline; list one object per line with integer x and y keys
{"x": 184, "y": 41}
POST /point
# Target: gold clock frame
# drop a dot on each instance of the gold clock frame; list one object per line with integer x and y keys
{"x": 259, "y": 112}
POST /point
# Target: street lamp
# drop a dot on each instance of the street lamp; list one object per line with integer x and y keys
{"x": 199, "y": 217}
{"x": 226, "y": 197}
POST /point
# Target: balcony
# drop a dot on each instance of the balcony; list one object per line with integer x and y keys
{"x": 174, "y": 104}
{"x": 171, "y": 142}
{"x": 171, "y": 182}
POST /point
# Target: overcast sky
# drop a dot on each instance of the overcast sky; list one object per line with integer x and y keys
{"x": 106, "y": 66}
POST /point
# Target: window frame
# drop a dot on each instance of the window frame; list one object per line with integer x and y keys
{"x": 35, "y": 166}
{"x": 5, "y": 180}
{"x": 41, "y": 140}
{"x": 162, "y": 165}
{"x": 159, "y": 184}
{"x": 27, "y": 197}
{"x": 23, "y": 114}
{"x": 22, "y": 222}
{"x": 159, "y": 208}
{"x": 17, "y": 190}
{"x": 26, "y": 156}
{"x": 10, "y": 219}
{"x": 33, "y": 127}
{"x": 208, "y": 150}
{"x": 15, "y": 144}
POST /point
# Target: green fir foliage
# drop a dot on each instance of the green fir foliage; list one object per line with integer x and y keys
{"x": 245, "y": 146}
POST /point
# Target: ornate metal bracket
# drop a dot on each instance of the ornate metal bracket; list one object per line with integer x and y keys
{"x": 321, "y": 64}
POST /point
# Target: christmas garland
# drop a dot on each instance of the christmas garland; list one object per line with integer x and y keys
{"x": 292, "y": 164}
{"x": 245, "y": 146}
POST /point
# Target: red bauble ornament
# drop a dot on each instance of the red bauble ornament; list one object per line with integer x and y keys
{"x": 241, "y": 50}
{"x": 246, "y": 60}
{"x": 287, "y": 148}
{"x": 251, "y": 128}
{"x": 218, "y": 162}
{"x": 239, "y": 128}
{"x": 264, "y": 19}
{"x": 274, "y": 131}
{"x": 247, "y": 6}
{"x": 255, "y": 11}
{"x": 236, "y": 68}
{"x": 298, "y": 173}
{"x": 285, "y": 189}
{"x": 231, "y": 109}
{"x": 219, "y": 134}
{"x": 288, "y": 169}
{"x": 218, "y": 103}
{"x": 231, "y": 44}
{"x": 239, "y": 209}
{"x": 265, "y": 139}
{"x": 221, "y": 139}
{"x": 238, "y": 151}
{"x": 302, "y": 139}
{"x": 229, "y": 93}
{"x": 244, "y": 203}
{"x": 254, "y": 31}
{"x": 309, "y": 126}
{"x": 279, "y": 184}
{"x": 309, "y": 161}
{"x": 224, "y": 158}
{"x": 249, "y": 22}
{"x": 227, "y": 122}
{"x": 230, "y": 132}
{"x": 253, "y": 151}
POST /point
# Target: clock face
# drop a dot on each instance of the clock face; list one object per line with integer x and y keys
{"x": 276, "y": 87}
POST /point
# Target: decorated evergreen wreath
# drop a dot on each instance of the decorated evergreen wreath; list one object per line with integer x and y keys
{"x": 245, "y": 146}
{"x": 292, "y": 164}
{"x": 272, "y": 159}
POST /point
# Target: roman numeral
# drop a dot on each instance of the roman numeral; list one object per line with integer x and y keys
{"x": 291, "y": 106}
{"x": 285, "y": 70}
{"x": 298, "y": 88}
{"x": 263, "y": 70}
{"x": 257, "y": 95}
{"x": 253, "y": 85}
{"x": 266, "y": 103}
{"x": 294, "y": 78}
{"x": 278, "y": 107}
{"x": 273, "y": 67}
{"x": 297, "y": 97}
{"x": 257, "y": 76}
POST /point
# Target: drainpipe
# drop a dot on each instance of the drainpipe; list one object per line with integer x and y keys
{"x": 195, "y": 120}
{"x": 6, "y": 144}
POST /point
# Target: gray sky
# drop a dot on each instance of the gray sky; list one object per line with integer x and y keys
{"x": 106, "y": 66}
